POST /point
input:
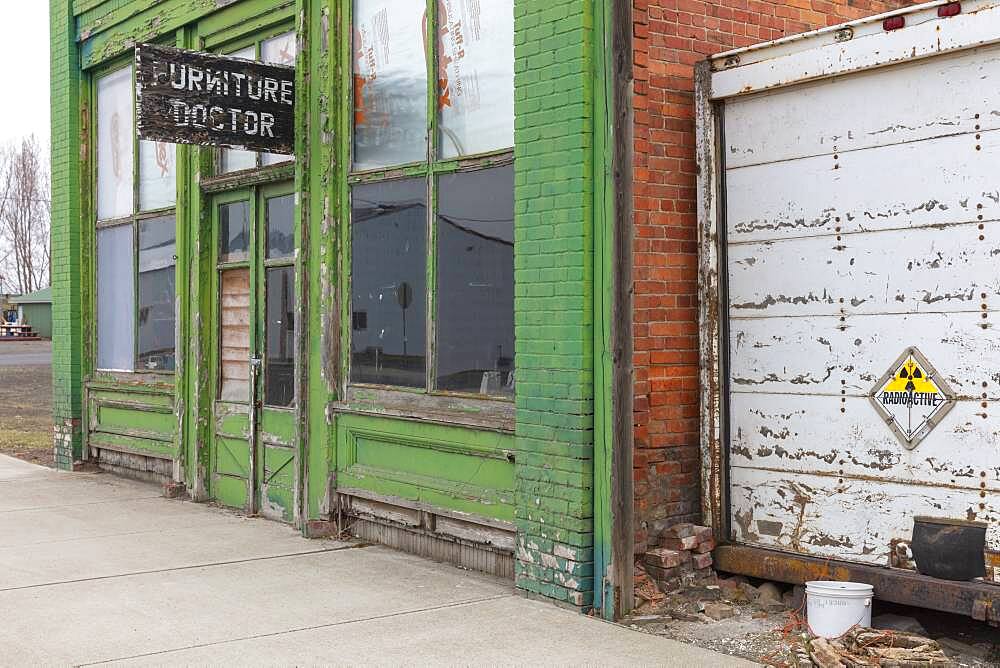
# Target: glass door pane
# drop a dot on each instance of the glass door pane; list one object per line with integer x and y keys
{"x": 279, "y": 333}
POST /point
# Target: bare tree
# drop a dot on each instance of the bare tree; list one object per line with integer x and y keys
{"x": 24, "y": 216}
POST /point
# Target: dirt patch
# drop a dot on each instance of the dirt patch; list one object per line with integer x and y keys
{"x": 26, "y": 412}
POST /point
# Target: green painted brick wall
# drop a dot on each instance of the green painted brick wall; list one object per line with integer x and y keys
{"x": 66, "y": 271}
{"x": 553, "y": 137}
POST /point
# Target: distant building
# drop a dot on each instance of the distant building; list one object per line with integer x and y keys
{"x": 35, "y": 310}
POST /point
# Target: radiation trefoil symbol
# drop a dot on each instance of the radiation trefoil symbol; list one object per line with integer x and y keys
{"x": 912, "y": 398}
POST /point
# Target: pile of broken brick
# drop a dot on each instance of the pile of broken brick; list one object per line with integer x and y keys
{"x": 684, "y": 557}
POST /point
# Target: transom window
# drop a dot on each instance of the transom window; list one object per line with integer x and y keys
{"x": 277, "y": 50}
{"x": 432, "y": 251}
{"x": 136, "y": 236}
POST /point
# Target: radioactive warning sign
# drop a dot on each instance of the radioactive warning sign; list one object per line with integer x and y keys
{"x": 912, "y": 397}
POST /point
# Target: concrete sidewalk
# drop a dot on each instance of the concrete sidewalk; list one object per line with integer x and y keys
{"x": 99, "y": 570}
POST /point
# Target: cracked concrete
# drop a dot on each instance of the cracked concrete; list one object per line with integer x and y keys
{"x": 98, "y": 570}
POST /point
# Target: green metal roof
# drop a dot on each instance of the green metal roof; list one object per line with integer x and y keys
{"x": 43, "y": 296}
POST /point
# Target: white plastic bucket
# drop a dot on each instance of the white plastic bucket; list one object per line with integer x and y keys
{"x": 834, "y": 607}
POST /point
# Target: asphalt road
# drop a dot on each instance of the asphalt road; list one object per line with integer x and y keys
{"x": 27, "y": 353}
{"x": 97, "y": 570}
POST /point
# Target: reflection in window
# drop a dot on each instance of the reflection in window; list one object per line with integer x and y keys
{"x": 388, "y": 282}
{"x": 234, "y": 231}
{"x": 475, "y": 282}
{"x": 475, "y": 76}
{"x": 279, "y": 365}
{"x": 157, "y": 291}
{"x": 157, "y": 175}
{"x": 115, "y": 299}
{"x": 280, "y": 227}
{"x": 390, "y": 83}
{"x": 114, "y": 145}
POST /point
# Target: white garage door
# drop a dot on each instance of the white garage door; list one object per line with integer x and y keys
{"x": 863, "y": 222}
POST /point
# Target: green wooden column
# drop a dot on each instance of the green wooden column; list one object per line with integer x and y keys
{"x": 317, "y": 144}
{"x": 69, "y": 110}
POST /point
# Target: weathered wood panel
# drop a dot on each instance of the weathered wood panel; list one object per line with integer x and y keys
{"x": 796, "y": 122}
{"x": 882, "y": 188}
{"x": 822, "y": 355}
{"x": 235, "y": 333}
{"x": 844, "y": 518}
{"x": 812, "y": 434}
{"x": 861, "y": 216}
{"x": 932, "y": 269}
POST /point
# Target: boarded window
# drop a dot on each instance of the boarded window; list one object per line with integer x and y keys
{"x": 157, "y": 175}
{"x": 279, "y": 370}
{"x": 475, "y": 282}
{"x": 475, "y": 76}
{"x": 157, "y": 293}
{"x": 280, "y": 227}
{"x": 234, "y": 306}
{"x": 390, "y": 83}
{"x": 115, "y": 299}
{"x": 389, "y": 282}
{"x": 114, "y": 145}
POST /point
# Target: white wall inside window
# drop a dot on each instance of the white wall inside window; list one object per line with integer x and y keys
{"x": 157, "y": 175}
{"x": 476, "y": 59}
{"x": 390, "y": 94}
{"x": 115, "y": 134}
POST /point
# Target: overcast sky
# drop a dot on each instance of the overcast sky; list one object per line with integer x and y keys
{"x": 24, "y": 54}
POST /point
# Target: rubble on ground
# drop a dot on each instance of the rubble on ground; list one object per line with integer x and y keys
{"x": 860, "y": 648}
{"x": 679, "y": 596}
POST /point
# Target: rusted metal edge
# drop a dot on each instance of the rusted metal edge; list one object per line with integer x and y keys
{"x": 978, "y": 600}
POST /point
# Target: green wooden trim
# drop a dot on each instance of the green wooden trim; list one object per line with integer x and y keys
{"x": 603, "y": 266}
{"x": 398, "y": 461}
{"x": 244, "y": 23}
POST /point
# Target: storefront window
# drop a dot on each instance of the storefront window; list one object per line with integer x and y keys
{"x": 136, "y": 291}
{"x": 447, "y": 220}
{"x": 475, "y": 282}
{"x": 114, "y": 145}
{"x": 390, "y": 83}
{"x": 389, "y": 283}
{"x": 115, "y": 299}
{"x": 157, "y": 292}
{"x": 157, "y": 175}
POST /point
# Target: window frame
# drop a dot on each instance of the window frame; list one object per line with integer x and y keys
{"x": 132, "y": 220}
{"x": 430, "y": 168}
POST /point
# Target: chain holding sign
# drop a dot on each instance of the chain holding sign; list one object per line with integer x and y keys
{"x": 912, "y": 398}
{"x": 190, "y": 97}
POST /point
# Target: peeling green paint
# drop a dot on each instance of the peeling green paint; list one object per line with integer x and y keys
{"x": 529, "y": 463}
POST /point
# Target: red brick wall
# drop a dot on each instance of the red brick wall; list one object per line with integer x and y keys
{"x": 670, "y": 37}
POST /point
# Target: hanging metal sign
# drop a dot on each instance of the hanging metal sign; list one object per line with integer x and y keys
{"x": 912, "y": 398}
{"x": 190, "y": 97}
